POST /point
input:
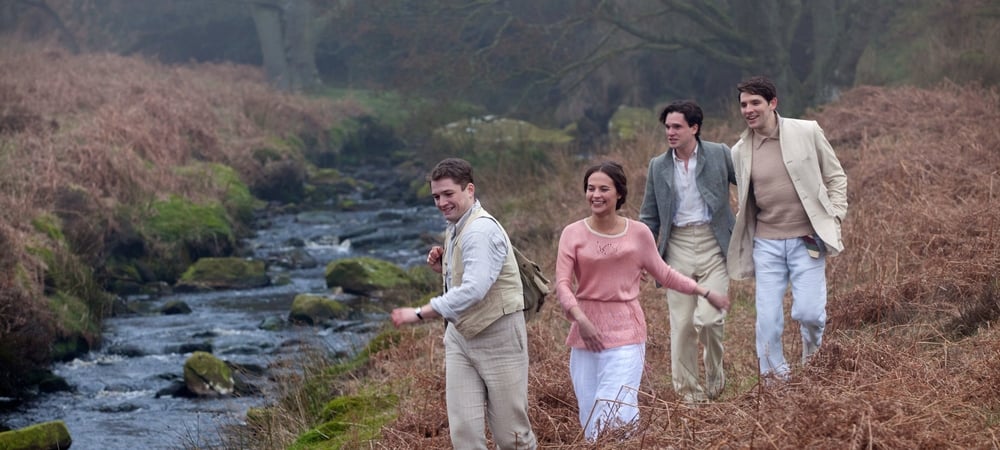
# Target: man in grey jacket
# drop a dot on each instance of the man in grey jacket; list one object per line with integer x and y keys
{"x": 686, "y": 206}
{"x": 792, "y": 197}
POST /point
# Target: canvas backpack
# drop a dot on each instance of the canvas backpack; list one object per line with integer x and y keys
{"x": 534, "y": 283}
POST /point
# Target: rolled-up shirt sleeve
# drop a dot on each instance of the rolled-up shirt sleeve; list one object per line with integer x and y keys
{"x": 484, "y": 250}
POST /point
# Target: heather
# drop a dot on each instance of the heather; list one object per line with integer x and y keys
{"x": 911, "y": 355}
{"x": 99, "y": 151}
{"x": 118, "y": 172}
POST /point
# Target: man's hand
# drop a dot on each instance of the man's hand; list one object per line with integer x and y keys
{"x": 403, "y": 316}
{"x": 434, "y": 258}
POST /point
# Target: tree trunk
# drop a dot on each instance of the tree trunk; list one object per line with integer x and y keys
{"x": 270, "y": 33}
{"x": 286, "y": 31}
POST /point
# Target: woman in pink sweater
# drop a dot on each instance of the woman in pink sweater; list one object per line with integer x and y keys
{"x": 606, "y": 255}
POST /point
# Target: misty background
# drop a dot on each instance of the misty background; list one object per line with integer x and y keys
{"x": 556, "y": 63}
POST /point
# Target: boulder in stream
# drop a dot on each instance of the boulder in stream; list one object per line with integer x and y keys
{"x": 365, "y": 276}
{"x": 223, "y": 273}
{"x": 43, "y": 436}
{"x": 315, "y": 309}
{"x": 207, "y": 376}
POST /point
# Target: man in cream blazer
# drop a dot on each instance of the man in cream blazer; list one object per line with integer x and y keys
{"x": 792, "y": 199}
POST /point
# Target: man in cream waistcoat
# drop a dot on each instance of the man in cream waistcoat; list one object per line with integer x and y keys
{"x": 792, "y": 199}
{"x": 486, "y": 342}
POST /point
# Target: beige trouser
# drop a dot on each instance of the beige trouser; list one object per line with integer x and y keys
{"x": 486, "y": 381}
{"x": 695, "y": 252}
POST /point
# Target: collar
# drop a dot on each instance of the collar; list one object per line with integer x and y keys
{"x": 694, "y": 154}
{"x": 748, "y": 132}
{"x": 465, "y": 217}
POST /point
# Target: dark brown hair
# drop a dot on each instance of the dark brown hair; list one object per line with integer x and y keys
{"x": 617, "y": 174}
{"x": 692, "y": 114}
{"x": 758, "y": 85}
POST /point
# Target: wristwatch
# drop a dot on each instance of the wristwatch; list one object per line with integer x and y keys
{"x": 417, "y": 312}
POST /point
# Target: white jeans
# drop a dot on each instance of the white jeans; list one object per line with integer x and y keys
{"x": 606, "y": 385}
{"x": 776, "y": 263}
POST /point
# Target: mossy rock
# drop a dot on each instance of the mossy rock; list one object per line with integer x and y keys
{"x": 175, "y": 307}
{"x": 350, "y": 419}
{"x": 198, "y": 229}
{"x": 487, "y": 131}
{"x": 356, "y": 407}
{"x": 78, "y": 326}
{"x": 236, "y": 196}
{"x": 424, "y": 279}
{"x": 208, "y": 376}
{"x": 365, "y": 276}
{"x": 314, "y": 309}
{"x": 42, "y": 436}
{"x": 224, "y": 273}
{"x": 627, "y": 122}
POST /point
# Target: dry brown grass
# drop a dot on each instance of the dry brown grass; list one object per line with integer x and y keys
{"x": 118, "y": 126}
{"x": 911, "y": 357}
{"x": 97, "y": 132}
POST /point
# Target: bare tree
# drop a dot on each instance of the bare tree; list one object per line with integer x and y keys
{"x": 287, "y": 31}
{"x": 809, "y": 47}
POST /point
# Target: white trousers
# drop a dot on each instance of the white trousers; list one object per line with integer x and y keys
{"x": 778, "y": 262}
{"x": 607, "y": 385}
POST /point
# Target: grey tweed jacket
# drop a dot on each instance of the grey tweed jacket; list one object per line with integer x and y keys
{"x": 714, "y": 175}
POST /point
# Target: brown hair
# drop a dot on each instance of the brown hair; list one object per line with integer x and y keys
{"x": 617, "y": 175}
{"x": 459, "y": 170}
{"x": 758, "y": 85}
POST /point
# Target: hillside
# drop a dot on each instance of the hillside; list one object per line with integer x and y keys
{"x": 118, "y": 172}
{"x": 911, "y": 357}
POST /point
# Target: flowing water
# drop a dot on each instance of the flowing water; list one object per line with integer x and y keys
{"x": 114, "y": 403}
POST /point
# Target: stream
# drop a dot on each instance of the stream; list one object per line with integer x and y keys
{"x": 114, "y": 404}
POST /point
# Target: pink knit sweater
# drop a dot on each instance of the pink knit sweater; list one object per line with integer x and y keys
{"x": 608, "y": 271}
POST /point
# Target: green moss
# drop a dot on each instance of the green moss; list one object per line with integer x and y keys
{"x": 311, "y": 309}
{"x": 203, "y": 366}
{"x": 48, "y": 225}
{"x": 80, "y": 303}
{"x": 41, "y": 436}
{"x": 493, "y": 131}
{"x": 385, "y": 105}
{"x": 364, "y": 275}
{"x": 222, "y": 269}
{"x": 237, "y": 199}
{"x": 235, "y": 273}
{"x": 179, "y": 220}
{"x": 627, "y": 122}
{"x": 424, "y": 279}
{"x": 73, "y": 313}
{"x": 350, "y": 420}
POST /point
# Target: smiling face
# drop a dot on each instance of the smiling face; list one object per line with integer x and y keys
{"x": 601, "y": 194}
{"x": 680, "y": 135}
{"x": 758, "y": 113}
{"x": 451, "y": 199}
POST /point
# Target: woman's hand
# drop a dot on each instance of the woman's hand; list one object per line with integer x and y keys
{"x": 720, "y": 300}
{"x": 592, "y": 336}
